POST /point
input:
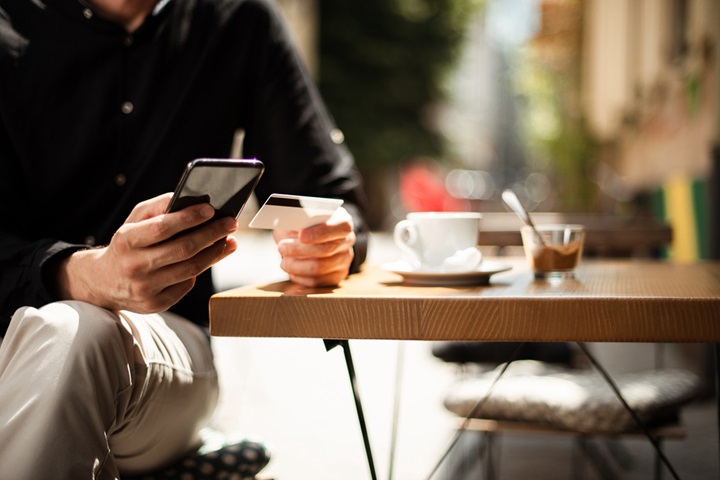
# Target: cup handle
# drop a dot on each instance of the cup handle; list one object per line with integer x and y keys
{"x": 406, "y": 238}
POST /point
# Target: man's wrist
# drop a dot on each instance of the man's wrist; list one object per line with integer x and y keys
{"x": 58, "y": 277}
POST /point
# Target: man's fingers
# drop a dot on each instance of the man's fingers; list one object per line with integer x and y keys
{"x": 150, "y": 208}
{"x": 320, "y": 255}
{"x": 195, "y": 262}
{"x": 325, "y": 232}
{"x": 165, "y": 298}
{"x": 176, "y": 273}
{"x": 308, "y": 267}
{"x": 297, "y": 248}
{"x": 328, "y": 280}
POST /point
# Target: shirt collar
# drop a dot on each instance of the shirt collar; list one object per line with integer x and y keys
{"x": 159, "y": 6}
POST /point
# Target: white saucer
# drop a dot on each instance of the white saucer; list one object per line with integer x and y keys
{"x": 477, "y": 276}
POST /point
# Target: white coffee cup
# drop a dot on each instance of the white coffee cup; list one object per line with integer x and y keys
{"x": 440, "y": 241}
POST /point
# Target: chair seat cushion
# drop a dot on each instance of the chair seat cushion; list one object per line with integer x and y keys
{"x": 220, "y": 457}
{"x": 500, "y": 352}
{"x": 576, "y": 400}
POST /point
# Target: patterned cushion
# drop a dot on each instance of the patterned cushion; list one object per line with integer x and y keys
{"x": 578, "y": 400}
{"x": 220, "y": 458}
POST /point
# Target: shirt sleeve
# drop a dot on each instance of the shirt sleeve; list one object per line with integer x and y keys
{"x": 290, "y": 129}
{"x": 21, "y": 261}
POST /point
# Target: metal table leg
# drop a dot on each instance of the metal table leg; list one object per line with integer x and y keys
{"x": 717, "y": 390}
{"x": 329, "y": 344}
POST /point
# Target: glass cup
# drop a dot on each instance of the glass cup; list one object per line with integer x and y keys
{"x": 559, "y": 253}
{"x": 440, "y": 241}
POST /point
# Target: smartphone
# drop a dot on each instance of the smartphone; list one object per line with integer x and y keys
{"x": 226, "y": 184}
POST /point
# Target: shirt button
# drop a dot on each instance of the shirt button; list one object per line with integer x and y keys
{"x": 87, "y": 13}
{"x": 337, "y": 136}
{"x": 127, "y": 108}
{"x": 90, "y": 241}
{"x": 120, "y": 179}
{"x": 129, "y": 40}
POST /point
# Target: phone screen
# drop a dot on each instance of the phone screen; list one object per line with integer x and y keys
{"x": 226, "y": 184}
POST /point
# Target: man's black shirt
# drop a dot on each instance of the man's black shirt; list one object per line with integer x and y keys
{"x": 94, "y": 120}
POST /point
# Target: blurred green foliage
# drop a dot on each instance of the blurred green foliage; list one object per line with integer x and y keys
{"x": 382, "y": 67}
{"x": 557, "y": 140}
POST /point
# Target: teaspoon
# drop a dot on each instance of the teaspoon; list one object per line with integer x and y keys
{"x": 516, "y": 206}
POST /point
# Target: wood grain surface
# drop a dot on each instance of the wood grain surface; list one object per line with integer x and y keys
{"x": 609, "y": 301}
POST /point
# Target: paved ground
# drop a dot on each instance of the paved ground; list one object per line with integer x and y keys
{"x": 297, "y": 397}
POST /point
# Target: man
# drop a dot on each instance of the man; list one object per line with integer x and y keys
{"x": 105, "y": 367}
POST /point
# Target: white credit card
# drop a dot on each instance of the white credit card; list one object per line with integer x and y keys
{"x": 294, "y": 212}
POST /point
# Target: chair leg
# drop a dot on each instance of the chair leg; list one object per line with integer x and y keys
{"x": 658, "y": 462}
{"x": 578, "y": 465}
{"x": 491, "y": 452}
{"x": 466, "y": 458}
{"x": 590, "y": 450}
{"x": 489, "y": 473}
{"x": 619, "y": 453}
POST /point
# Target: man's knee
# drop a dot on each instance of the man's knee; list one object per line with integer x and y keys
{"x": 71, "y": 329}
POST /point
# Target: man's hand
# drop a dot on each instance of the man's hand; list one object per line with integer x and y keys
{"x": 319, "y": 255}
{"x": 150, "y": 263}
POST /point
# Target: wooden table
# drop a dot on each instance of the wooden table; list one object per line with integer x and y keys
{"x": 609, "y": 301}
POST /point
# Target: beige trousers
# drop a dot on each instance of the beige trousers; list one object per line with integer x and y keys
{"x": 86, "y": 393}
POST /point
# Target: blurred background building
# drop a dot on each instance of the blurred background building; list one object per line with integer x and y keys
{"x": 607, "y": 106}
